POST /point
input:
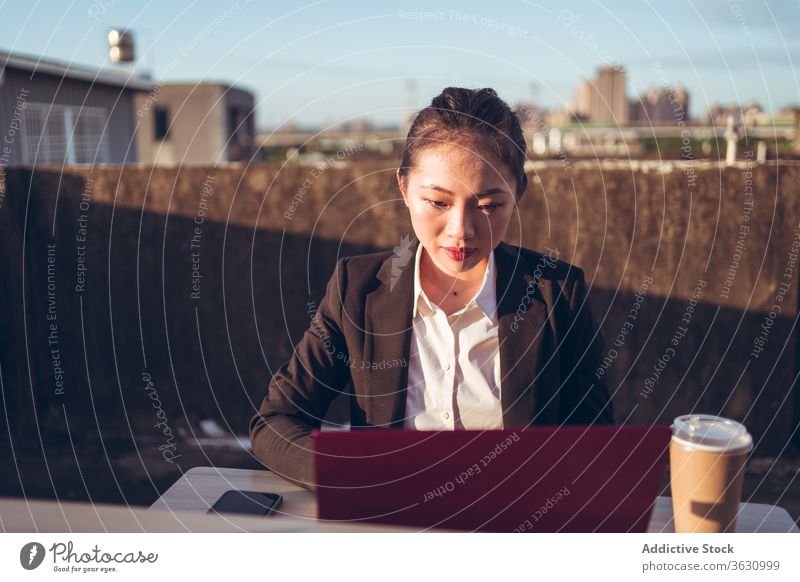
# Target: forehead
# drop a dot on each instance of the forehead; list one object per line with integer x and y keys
{"x": 461, "y": 167}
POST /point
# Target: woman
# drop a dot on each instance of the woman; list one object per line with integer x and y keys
{"x": 457, "y": 331}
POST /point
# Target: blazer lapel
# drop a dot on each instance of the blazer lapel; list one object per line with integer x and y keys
{"x": 528, "y": 386}
{"x": 525, "y": 340}
{"x": 387, "y": 329}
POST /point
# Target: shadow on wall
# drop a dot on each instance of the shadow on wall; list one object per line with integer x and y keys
{"x": 670, "y": 357}
{"x": 134, "y": 326}
{"x": 114, "y": 327}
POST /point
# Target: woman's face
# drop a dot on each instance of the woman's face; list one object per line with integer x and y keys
{"x": 461, "y": 201}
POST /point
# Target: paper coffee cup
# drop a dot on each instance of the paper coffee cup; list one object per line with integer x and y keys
{"x": 707, "y": 458}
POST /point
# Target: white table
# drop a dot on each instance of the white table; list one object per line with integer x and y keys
{"x": 200, "y": 487}
{"x": 20, "y": 515}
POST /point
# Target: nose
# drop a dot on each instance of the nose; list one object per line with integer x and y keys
{"x": 459, "y": 225}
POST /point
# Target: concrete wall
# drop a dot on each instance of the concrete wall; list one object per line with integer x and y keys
{"x": 197, "y": 124}
{"x": 265, "y": 241}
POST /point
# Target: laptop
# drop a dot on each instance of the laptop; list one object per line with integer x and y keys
{"x": 538, "y": 479}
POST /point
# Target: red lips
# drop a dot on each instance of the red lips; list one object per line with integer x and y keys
{"x": 459, "y": 253}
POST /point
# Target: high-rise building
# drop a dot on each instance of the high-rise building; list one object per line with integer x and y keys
{"x": 583, "y": 100}
{"x": 608, "y": 102}
{"x": 660, "y": 106}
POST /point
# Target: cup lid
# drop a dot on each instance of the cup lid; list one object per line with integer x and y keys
{"x": 713, "y": 432}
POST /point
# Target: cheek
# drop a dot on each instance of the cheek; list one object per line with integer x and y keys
{"x": 497, "y": 217}
{"x": 424, "y": 220}
{"x": 504, "y": 214}
{"x": 424, "y": 213}
{"x": 497, "y": 222}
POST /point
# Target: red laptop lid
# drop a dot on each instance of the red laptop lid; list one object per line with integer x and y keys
{"x": 539, "y": 479}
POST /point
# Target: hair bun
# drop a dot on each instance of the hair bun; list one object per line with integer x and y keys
{"x": 457, "y": 115}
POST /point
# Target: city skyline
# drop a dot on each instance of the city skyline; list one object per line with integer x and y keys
{"x": 327, "y": 62}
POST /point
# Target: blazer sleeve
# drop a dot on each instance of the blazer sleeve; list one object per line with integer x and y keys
{"x": 301, "y": 390}
{"x": 584, "y": 396}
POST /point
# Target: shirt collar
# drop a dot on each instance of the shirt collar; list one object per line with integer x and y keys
{"x": 486, "y": 298}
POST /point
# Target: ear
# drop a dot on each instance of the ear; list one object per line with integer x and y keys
{"x": 524, "y": 185}
{"x": 401, "y": 183}
{"x": 517, "y": 200}
{"x": 524, "y": 188}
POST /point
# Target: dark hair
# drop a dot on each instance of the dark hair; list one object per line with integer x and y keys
{"x": 459, "y": 116}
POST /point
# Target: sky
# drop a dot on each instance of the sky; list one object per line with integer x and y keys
{"x": 316, "y": 63}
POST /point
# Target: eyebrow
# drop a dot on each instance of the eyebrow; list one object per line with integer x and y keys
{"x": 484, "y": 194}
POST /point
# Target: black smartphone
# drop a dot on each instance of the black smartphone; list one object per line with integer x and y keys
{"x": 247, "y": 503}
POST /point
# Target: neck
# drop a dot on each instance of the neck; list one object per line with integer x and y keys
{"x": 454, "y": 283}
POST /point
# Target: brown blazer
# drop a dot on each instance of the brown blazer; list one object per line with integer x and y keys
{"x": 360, "y": 338}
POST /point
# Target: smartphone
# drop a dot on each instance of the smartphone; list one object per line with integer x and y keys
{"x": 247, "y": 503}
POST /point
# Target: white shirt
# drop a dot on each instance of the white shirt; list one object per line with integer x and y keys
{"x": 454, "y": 364}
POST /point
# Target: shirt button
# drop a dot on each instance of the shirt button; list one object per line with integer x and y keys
{"x": 446, "y": 415}
{"x": 447, "y": 366}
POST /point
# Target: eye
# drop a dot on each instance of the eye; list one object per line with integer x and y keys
{"x": 436, "y": 203}
{"x": 489, "y": 208}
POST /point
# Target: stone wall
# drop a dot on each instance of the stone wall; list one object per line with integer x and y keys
{"x": 138, "y": 298}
